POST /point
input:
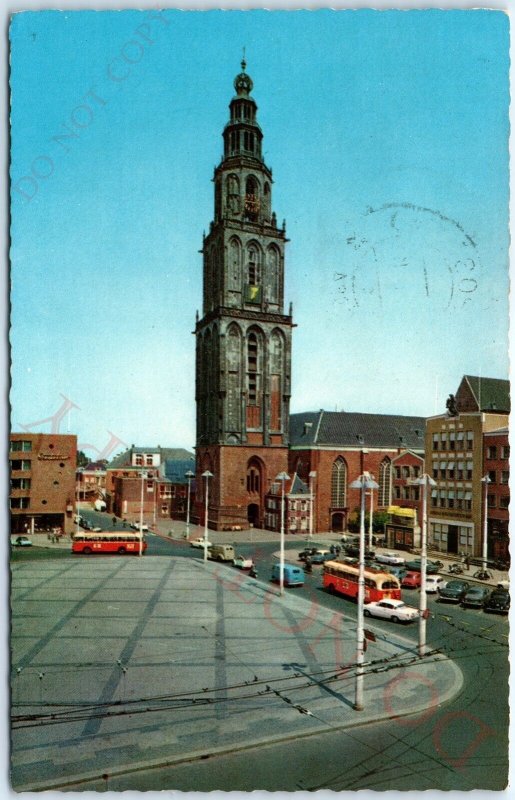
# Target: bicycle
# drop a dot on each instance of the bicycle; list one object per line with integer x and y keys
{"x": 482, "y": 575}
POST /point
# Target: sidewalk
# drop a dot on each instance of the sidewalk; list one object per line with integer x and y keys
{"x": 167, "y": 659}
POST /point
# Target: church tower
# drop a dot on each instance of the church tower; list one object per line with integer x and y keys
{"x": 243, "y": 340}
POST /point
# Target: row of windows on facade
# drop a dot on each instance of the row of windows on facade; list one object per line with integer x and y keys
{"x": 20, "y": 445}
{"x": 492, "y": 451}
{"x": 462, "y": 470}
{"x": 245, "y": 141}
{"x": 459, "y": 499}
{"x": 454, "y": 440}
{"x": 25, "y": 465}
{"x": 293, "y": 524}
{"x": 504, "y": 502}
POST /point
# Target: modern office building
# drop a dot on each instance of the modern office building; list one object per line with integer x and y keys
{"x": 43, "y": 482}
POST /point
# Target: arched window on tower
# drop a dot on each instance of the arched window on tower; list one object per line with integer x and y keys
{"x": 235, "y": 265}
{"x": 233, "y": 360}
{"x": 384, "y": 493}
{"x": 233, "y": 195}
{"x": 254, "y": 377}
{"x": 339, "y": 484}
{"x": 251, "y": 198}
{"x": 276, "y": 373}
{"x": 253, "y": 268}
{"x": 273, "y": 261}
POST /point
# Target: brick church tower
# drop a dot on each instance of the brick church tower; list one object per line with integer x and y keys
{"x": 243, "y": 341}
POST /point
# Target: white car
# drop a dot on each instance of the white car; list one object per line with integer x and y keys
{"x": 200, "y": 543}
{"x": 390, "y": 558}
{"x": 243, "y": 563}
{"x": 395, "y": 610}
{"x": 136, "y": 526}
{"x": 20, "y": 541}
{"x": 434, "y": 583}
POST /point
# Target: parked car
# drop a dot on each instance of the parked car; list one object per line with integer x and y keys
{"x": 292, "y": 575}
{"x": 498, "y": 602}
{"x": 242, "y": 562}
{"x": 222, "y": 552}
{"x": 20, "y": 541}
{"x": 394, "y": 610}
{"x": 321, "y": 555}
{"x": 395, "y": 569}
{"x": 201, "y": 542}
{"x": 136, "y": 526}
{"x": 453, "y": 591}
{"x": 475, "y": 597}
{"x": 411, "y": 580}
{"x": 353, "y": 550}
{"x": 98, "y": 529}
{"x": 416, "y": 566}
{"x": 390, "y": 558}
{"x": 434, "y": 583}
{"x": 307, "y": 553}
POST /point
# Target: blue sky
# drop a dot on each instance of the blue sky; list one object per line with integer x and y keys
{"x": 387, "y": 133}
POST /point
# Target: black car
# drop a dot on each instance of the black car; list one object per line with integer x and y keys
{"x": 353, "y": 550}
{"x": 453, "y": 592}
{"x": 308, "y": 552}
{"x": 498, "y": 602}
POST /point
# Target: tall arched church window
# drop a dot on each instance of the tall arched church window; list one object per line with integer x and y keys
{"x": 233, "y": 355}
{"x": 339, "y": 484}
{"x": 251, "y": 198}
{"x": 276, "y": 373}
{"x": 233, "y": 194}
{"x": 254, "y": 379}
{"x": 253, "y": 293}
{"x": 234, "y": 264}
{"x": 385, "y": 483}
{"x": 273, "y": 273}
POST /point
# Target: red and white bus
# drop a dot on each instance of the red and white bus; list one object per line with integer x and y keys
{"x": 342, "y": 577}
{"x": 108, "y": 542}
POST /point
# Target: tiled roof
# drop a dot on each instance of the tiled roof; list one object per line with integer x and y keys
{"x": 124, "y": 459}
{"x": 175, "y": 469}
{"x": 354, "y": 429}
{"x": 491, "y": 394}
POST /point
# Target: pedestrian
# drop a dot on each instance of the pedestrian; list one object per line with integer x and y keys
{"x": 114, "y": 520}
{"x": 467, "y": 563}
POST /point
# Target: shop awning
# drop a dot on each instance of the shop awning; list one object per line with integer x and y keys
{"x": 401, "y": 512}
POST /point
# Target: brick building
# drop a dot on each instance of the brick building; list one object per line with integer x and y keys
{"x": 243, "y": 340}
{"x": 297, "y": 503}
{"x": 339, "y": 446}
{"x": 43, "y": 473}
{"x": 496, "y": 454}
{"x": 165, "y": 486}
{"x": 455, "y": 458}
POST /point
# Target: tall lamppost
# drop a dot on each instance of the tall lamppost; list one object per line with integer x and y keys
{"x": 312, "y": 476}
{"x": 189, "y": 477}
{"x": 363, "y": 483}
{"x": 282, "y": 477}
{"x": 370, "y": 524}
{"x": 425, "y": 481}
{"x": 486, "y": 480}
{"x": 207, "y": 475}
{"x": 143, "y": 476}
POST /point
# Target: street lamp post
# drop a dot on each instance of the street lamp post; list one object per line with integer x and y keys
{"x": 207, "y": 475}
{"x": 282, "y": 477}
{"x": 189, "y": 476}
{"x": 425, "y": 482}
{"x": 486, "y": 480}
{"x": 312, "y": 476}
{"x": 143, "y": 476}
{"x": 370, "y": 525}
{"x": 363, "y": 483}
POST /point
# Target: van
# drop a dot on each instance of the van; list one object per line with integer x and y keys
{"x": 292, "y": 576}
{"x": 222, "y": 552}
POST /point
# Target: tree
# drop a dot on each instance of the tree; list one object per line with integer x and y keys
{"x": 82, "y": 459}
